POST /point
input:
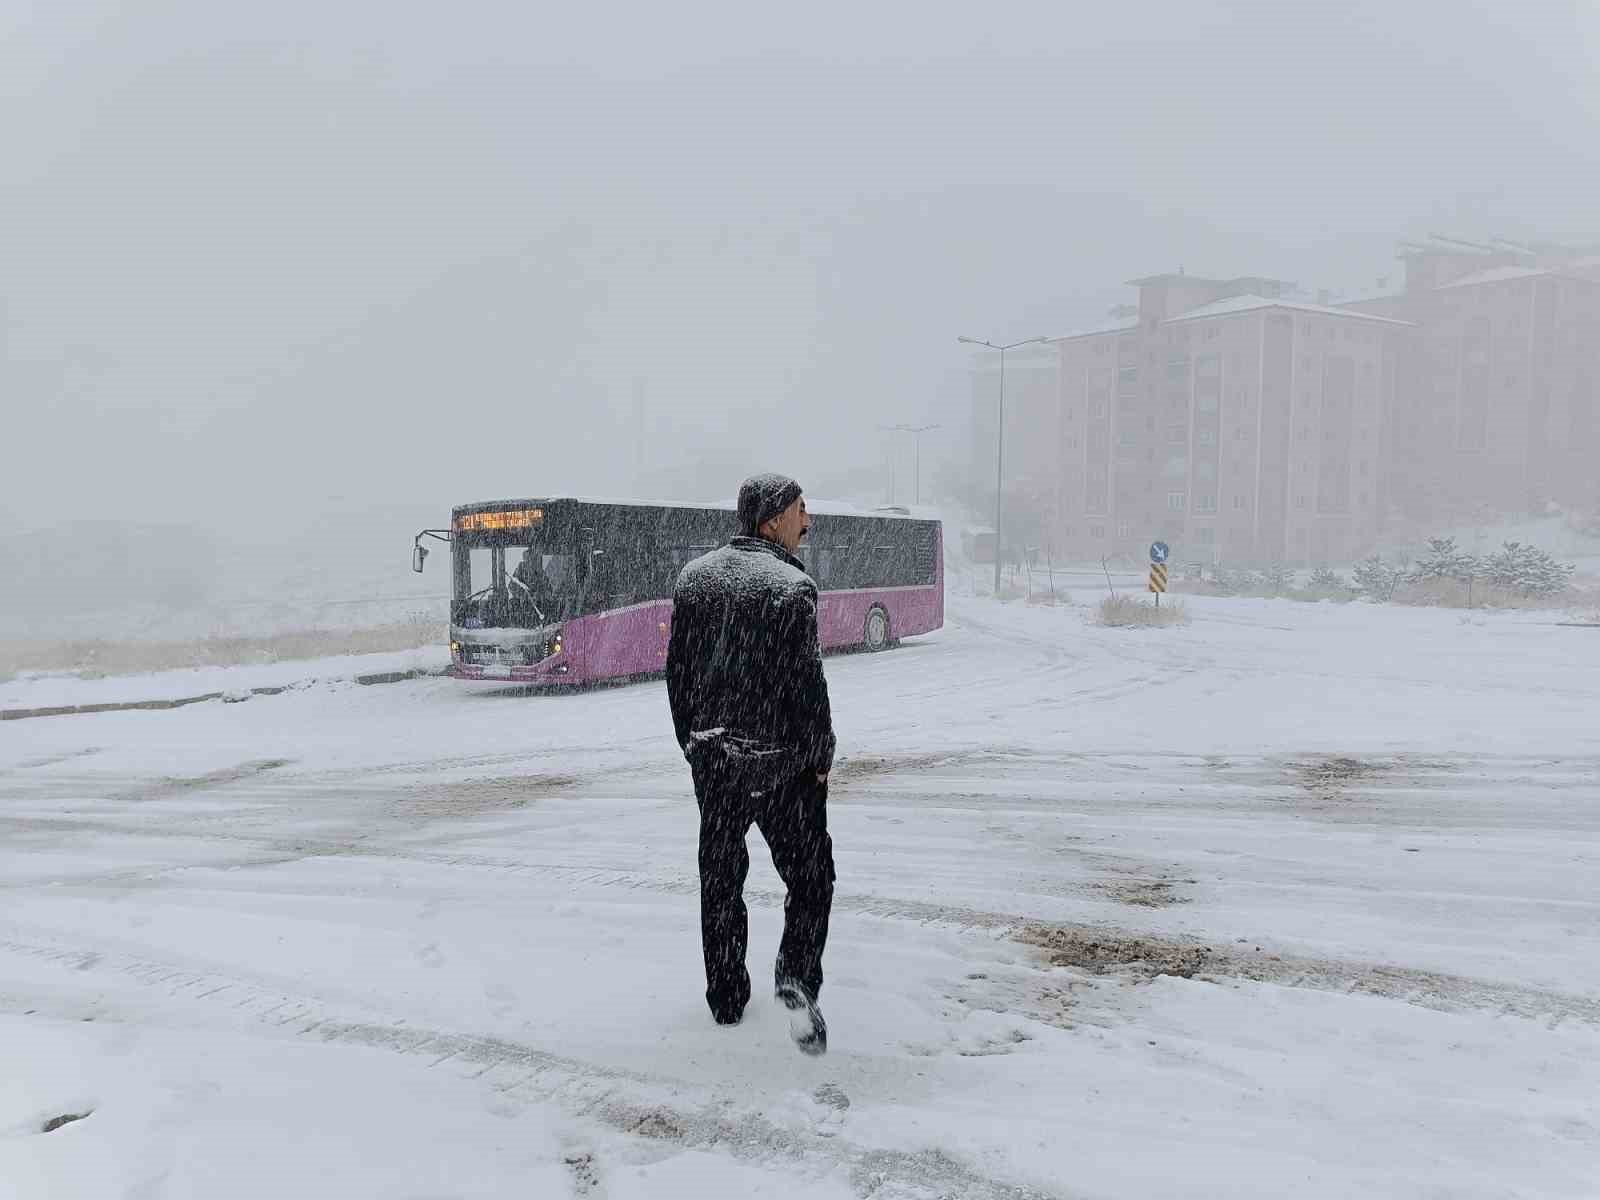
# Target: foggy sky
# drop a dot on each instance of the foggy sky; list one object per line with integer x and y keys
{"x": 264, "y": 262}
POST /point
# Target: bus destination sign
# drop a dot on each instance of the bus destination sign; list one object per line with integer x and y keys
{"x": 517, "y": 518}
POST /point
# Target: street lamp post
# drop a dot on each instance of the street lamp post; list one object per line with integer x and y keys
{"x": 916, "y": 432}
{"x": 999, "y": 436}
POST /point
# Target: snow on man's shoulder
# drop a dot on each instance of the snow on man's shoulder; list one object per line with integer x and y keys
{"x": 729, "y": 568}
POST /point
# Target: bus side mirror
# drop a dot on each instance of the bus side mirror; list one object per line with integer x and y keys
{"x": 419, "y": 555}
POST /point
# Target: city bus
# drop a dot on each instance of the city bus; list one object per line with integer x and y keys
{"x": 572, "y": 591}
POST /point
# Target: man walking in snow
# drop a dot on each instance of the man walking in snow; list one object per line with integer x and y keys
{"x": 750, "y": 707}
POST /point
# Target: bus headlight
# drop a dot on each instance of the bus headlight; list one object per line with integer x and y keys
{"x": 548, "y": 648}
{"x": 455, "y": 651}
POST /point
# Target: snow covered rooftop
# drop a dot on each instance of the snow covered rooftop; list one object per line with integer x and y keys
{"x": 1122, "y": 327}
{"x": 1368, "y": 297}
{"x": 1493, "y": 275}
{"x": 1244, "y": 304}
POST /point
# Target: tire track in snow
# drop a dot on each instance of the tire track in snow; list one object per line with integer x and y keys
{"x": 1103, "y": 950}
{"x": 635, "y": 1103}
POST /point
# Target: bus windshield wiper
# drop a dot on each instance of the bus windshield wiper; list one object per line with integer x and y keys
{"x": 528, "y": 592}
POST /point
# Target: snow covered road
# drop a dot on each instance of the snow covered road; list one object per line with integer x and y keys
{"x": 1295, "y": 900}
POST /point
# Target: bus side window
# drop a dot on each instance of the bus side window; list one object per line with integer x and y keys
{"x": 856, "y": 561}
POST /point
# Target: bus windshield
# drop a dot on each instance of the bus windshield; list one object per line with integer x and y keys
{"x": 512, "y": 580}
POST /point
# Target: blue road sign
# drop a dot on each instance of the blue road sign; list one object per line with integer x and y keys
{"x": 1159, "y": 552}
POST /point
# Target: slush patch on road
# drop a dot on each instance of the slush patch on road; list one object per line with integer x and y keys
{"x": 1343, "y": 776}
{"x": 471, "y": 797}
{"x": 50, "y": 760}
{"x": 1101, "y": 952}
{"x": 1141, "y": 893}
{"x": 55, "y": 1123}
{"x": 657, "y": 1123}
{"x": 166, "y": 789}
{"x": 865, "y": 766}
{"x": 1143, "y": 957}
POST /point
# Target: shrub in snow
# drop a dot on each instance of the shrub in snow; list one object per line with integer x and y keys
{"x": 1445, "y": 560}
{"x": 1528, "y": 571}
{"x": 1277, "y": 579}
{"x": 1377, "y": 579}
{"x": 1327, "y": 582}
{"x": 1229, "y": 582}
{"x": 1122, "y": 611}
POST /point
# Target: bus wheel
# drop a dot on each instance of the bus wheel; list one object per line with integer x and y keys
{"x": 877, "y": 629}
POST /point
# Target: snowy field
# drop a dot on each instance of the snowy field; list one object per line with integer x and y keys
{"x": 1298, "y": 900}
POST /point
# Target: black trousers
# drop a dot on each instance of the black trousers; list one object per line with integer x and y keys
{"x": 792, "y": 814}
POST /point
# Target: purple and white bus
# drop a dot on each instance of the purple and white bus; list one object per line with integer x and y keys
{"x": 568, "y": 591}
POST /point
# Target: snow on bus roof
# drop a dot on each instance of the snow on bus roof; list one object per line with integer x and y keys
{"x": 827, "y": 508}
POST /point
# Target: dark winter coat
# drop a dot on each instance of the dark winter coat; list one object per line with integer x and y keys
{"x": 744, "y": 669}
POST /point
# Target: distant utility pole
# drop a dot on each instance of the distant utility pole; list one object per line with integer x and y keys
{"x": 999, "y": 436}
{"x": 916, "y": 432}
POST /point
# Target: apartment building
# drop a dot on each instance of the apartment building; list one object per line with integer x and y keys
{"x": 1496, "y": 399}
{"x": 1231, "y": 422}
{"x": 1245, "y": 426}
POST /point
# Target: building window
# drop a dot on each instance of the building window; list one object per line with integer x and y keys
{"x": 1098, "y": 531}
{"x": 1363, "y": 468}
{"x": 1239, "y": 434}
{"x": 1128, "y": 437}
{"x": 1301, "y": 503}
{"x": 1238, "y": 503}
{"x": 1205, "y": 536}
{"x": 1207, "y": 437}
{"x": 1178, "y": 435}
{"x": 1176, "y": 501}
{"x": 1205, "y": 503}
{"x": 1124, "y": 530}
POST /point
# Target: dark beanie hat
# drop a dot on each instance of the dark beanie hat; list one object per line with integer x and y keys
{"x": 762, "y": 497}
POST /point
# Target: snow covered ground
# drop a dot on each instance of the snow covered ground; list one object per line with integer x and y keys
{"x": 1296, "y": 900}
{"x": 53, "y": 690}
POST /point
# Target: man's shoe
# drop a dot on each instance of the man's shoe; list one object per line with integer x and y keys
{"x": 806, "y": 1026}
{"x": 728, "y": 1016}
